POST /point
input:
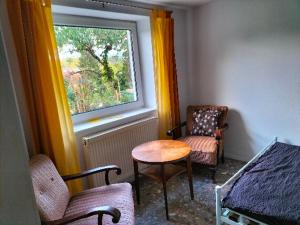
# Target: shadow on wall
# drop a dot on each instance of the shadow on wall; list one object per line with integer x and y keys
{"x": 238, "y": 142}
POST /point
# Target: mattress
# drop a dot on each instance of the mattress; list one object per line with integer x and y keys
{"x": 269, "y": 189}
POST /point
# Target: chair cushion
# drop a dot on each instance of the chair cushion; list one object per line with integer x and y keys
{"x": 192, "y": 108}
{"x": 115, "y": 195}
{"x": 205, "y": 122}
{"x": 51, "y": 192}
{"x": 204, "y": 149}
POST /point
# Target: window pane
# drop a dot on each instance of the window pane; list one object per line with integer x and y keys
{"x": 97, "y": 67}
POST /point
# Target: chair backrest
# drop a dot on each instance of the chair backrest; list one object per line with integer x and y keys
{"x": 51, "y": 192}
{"x": 192, "y": 108}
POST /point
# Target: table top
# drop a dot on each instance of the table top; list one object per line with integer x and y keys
{"x": 161, "y": 151}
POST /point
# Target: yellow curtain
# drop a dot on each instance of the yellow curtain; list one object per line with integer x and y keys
{"x": 43, "y": 84}
{"x": 162, "y": 29}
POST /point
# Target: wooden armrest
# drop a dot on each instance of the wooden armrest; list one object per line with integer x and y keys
{"x": 105, "y": 169}
{"x": 171, "y": 132}
{"x": 218, "y": 131}
{"x": 100, "y": 211}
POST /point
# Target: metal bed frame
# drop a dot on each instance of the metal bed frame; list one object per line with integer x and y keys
{"x": 223, "y": 214}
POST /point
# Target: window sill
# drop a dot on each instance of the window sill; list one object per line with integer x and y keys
{"x": 105, "y": 123}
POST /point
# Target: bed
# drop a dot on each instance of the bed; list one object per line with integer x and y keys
{"x": 266, "y": 191}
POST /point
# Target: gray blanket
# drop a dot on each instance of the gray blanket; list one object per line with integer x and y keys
{"x": 269, "y": 189}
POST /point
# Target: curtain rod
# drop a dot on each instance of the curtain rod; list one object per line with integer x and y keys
{"x": 116, "y": 3}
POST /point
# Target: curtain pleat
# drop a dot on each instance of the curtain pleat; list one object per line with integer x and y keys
{"x": 162, "y": 29}
{"x": 43, "y": 84}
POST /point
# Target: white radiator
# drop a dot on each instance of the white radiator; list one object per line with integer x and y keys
{"x": 114, "y": 147}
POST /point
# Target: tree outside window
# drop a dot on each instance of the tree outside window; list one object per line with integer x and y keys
{"x": 96, "y": 67}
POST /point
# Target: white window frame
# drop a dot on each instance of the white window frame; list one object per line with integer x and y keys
{"x": 75, "y": 20}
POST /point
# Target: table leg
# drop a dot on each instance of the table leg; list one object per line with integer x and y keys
{"x": 190, "y": 176}
{"x": 136, "y": 181}
{"x": 163, "y": 177}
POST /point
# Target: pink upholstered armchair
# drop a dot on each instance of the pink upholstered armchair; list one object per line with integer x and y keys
{"x": 206, "y": 147}
{"x": 108, "y": 204}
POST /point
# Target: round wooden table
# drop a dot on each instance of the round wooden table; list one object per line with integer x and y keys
{"x": 162, "y": 155}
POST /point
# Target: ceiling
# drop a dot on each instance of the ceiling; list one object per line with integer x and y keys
{"x": 175, "y": 2}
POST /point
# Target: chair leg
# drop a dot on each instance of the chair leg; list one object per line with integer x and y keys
{"x": 214, "y": 174}
{"x": 223, "y": 160}
{"x": 218, "y": 151}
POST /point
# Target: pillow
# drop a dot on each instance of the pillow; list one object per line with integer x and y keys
{"x": 205, "y": 122}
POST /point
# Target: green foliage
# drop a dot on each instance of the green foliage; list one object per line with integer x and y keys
{"x": 96, "y": 67}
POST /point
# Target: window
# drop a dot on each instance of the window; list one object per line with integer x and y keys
{"x": 100, "y": 65}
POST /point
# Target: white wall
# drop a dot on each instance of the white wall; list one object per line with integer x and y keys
{"x": 17, "y": 202}
{"x": 247, "y": 56}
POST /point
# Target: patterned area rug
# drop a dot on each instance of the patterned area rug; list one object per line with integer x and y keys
{"x": 200, "y": 211}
